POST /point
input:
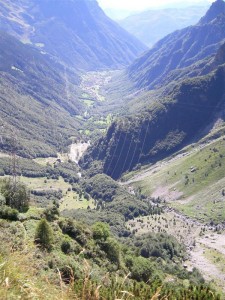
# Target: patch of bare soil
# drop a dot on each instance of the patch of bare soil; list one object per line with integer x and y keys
{"x": 168, "y": 193}
{"x": 3, "y": 155}
{"x": 77, "y": 150}
{"x": 214, "y": 241}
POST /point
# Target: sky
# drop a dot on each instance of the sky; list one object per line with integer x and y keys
{"x": 138, "y": 5}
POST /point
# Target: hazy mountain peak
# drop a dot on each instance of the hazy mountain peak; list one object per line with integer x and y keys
{"x": 217, "y": 8}
{"x": 152, "y": 25}
{"x": 179, "y": 53}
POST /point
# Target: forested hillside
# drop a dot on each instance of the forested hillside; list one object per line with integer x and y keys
{"x": 163, "y": 128}
{"x": 29, "y": 107}
{"x": 76, "y": 32}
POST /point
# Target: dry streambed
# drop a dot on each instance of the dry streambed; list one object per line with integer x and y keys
{"x": 206, "y": 247}
{"x": 206, "y": 244}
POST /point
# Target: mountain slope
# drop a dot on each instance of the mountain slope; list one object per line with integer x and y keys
{"x": 152, "y": 25}
{"x": 166, "y": 125}
{"x": 179, "y": 53}
{"x": 28, "y": 106}
{"x": 39, "y": 82}
{"x": 74, "y": 31}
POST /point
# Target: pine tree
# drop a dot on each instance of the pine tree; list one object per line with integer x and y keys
{"x": 44, "y": 234}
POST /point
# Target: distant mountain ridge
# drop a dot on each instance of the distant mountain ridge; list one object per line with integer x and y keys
{"x": 180, "y": 52}
{"x": 152, "y": 25}
{"x": 76, "y": 32}
{"x": 189, "y": 66}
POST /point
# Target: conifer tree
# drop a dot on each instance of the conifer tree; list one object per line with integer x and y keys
{"x": 44, "y": 234}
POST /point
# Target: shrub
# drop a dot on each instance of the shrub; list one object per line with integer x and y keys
{"x": 159, "y": 245}
{"x": 51, "y": 213}
{"x": 141, "y": 269}
{"x": 16, "y": 195}
{"x": 101, "y": 231}
{"x": 2, "y": 200}
{"x": 8, "y": 213}
{"x": 112, "y": 249}
{"x": 73, "y": 230}
{"x": 66, "y": 246}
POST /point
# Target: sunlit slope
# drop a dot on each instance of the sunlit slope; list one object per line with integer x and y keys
{"x": 192, "y": 181}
